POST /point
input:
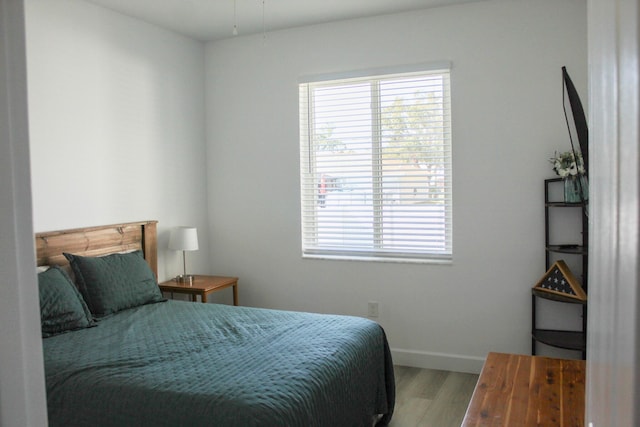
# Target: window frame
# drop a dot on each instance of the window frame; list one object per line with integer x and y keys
{"x": 308, "y": 164}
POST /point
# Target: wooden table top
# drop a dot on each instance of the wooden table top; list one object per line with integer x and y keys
{"x": 519, "y": 390}
{"x": 200, "y": 284}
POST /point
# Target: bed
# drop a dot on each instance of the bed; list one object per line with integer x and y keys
{"x": 128, "y": 357}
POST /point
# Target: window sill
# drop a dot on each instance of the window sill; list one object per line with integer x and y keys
{"x": 399, "y": 260}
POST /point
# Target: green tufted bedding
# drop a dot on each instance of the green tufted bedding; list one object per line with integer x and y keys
{"x": 187, "y": 364}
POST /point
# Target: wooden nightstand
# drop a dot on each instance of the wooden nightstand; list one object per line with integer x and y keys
{"x": 203, "y": 286}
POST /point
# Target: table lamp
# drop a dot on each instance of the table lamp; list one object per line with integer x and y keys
{"x": 184, "y": 239}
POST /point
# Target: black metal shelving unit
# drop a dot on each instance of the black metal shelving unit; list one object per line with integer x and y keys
{"x": 566, "y": 339}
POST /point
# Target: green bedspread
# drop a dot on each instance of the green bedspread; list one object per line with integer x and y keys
{"x": 188, "y": 364}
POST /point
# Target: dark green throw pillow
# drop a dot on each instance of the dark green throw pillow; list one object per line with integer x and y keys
{"x": 115, "y": 282}
{"x": 62, "y": 308}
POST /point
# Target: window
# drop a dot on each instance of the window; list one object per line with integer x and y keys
{"x": 375, "y": 166}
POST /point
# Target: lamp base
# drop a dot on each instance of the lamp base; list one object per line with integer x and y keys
{"x": 185, "y": 278}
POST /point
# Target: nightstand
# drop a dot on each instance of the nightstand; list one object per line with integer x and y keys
{"x": 203, "y": 286}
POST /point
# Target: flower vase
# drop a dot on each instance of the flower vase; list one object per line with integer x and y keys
{"x": 576, "y": 189}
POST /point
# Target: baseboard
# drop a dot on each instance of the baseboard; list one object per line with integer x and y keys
{"x": 443, "y": 361}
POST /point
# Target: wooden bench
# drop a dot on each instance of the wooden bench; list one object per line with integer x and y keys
{"x": 518, "y": 390}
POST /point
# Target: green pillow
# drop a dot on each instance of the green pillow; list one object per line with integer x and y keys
{"x": 115, "y": 282}
{"x": 62, "y": 308}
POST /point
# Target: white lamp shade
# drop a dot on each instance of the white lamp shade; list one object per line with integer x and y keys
{"x": 184, "y": 239}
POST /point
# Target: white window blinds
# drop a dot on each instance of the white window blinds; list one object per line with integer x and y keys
{"x": 375, "y": 166}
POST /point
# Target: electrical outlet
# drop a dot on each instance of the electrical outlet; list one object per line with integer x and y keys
{"x": 373, "y": 309}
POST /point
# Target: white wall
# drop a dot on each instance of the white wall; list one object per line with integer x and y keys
{"x": 117, "y": 124}
{"x": 507, "y": 122}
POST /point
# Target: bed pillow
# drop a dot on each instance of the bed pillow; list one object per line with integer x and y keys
{"x": 62, "y": 308}
{"x": 115, "y": 282}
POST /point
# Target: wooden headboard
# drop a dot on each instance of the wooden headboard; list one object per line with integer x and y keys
{"x": 96, "y": 241}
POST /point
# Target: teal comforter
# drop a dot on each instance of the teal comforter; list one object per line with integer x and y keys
{"x": 188, "y": 364}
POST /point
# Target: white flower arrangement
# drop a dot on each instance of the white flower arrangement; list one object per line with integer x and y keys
{"x": 568, "y": 164}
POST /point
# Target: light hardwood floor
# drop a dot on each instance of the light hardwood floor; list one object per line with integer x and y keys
{"x": 431, "y": 398}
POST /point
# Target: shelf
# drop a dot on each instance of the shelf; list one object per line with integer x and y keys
{"x": 565, "y": 205}
{"x": 573, "y": 249}
{"x": 556, "y": 297}
{"x": 569, "y": 248}
{"x": 570, "y": 340}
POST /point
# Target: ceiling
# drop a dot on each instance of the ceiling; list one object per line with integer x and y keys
{"x": 214, "y": 19}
